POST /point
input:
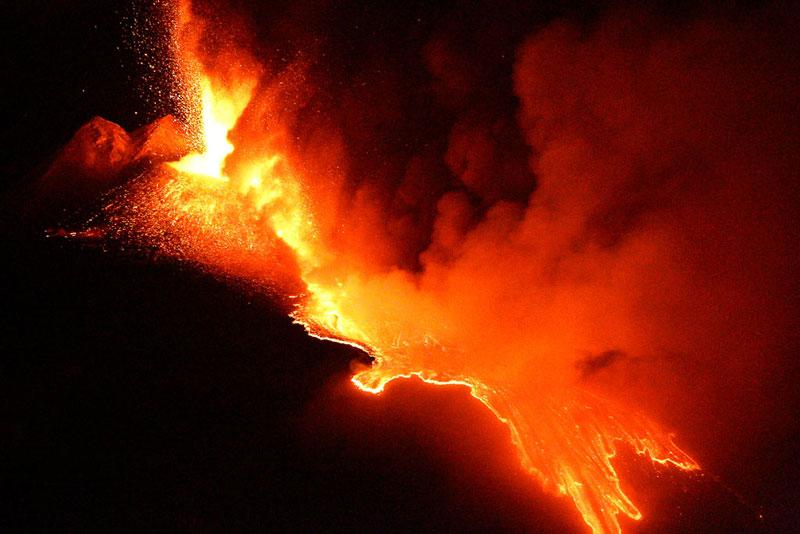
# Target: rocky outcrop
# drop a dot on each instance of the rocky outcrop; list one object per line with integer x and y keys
{"x": 162, "y": 140}
{"x": 99, "y": 150}
{"x": 100, "y": 156}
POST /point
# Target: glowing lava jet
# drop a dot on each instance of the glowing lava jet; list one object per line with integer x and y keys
{"x": 246, "y": 192}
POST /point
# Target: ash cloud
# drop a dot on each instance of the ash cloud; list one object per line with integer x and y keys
{"x": 665, "y": 167}
{"x": 574, "y": 179}
{"x": 621, "y": 183}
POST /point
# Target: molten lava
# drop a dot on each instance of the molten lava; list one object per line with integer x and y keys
{"x": 247, "y": 191}
{"x": 219, "y": 112}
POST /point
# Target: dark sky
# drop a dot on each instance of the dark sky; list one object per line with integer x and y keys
{"x": 143, "y": 395}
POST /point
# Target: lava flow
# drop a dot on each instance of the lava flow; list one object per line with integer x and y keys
{"x": 251, "y": 190}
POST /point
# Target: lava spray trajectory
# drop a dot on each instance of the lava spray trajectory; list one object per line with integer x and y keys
{"x": 500, "y": 302}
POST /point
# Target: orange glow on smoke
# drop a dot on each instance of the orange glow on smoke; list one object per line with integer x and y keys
{"x": 226, "y": 206}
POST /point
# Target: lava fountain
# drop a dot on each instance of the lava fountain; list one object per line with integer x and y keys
{"x": 247, "y": 194}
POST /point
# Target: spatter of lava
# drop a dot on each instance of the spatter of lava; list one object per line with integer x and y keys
{"x": 237, "y": 203}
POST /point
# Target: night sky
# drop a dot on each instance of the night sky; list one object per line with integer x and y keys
{"x": 140, "y": 394}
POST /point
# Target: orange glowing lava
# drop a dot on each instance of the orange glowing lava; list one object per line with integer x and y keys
{"x": 219, "y": 113}
{"x": 226, "y": 206}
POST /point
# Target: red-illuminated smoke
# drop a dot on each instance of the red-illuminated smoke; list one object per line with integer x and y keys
{"x": 657, "y": 226}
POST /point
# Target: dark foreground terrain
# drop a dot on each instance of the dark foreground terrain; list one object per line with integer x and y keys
{"x": 147, "y": 396}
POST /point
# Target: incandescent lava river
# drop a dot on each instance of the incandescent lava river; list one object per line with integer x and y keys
{"x": 255, "y": 203}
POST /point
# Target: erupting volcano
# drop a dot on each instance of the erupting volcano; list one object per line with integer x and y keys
{"x": 527, "y": 303}
{"x": 226, "y": 205}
